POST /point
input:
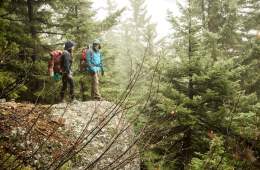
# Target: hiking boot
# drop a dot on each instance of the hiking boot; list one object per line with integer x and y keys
{"x": 72, "y": 99}
{"x": 62, "y": 101}
{"x": 99, "y": 99}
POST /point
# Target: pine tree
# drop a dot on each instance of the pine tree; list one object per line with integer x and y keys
{"x": 250, "y": 45}
{"x": 135, "y": 35}
{"x": 29, "y": 20}
{"x": 201, "y": 95}
{"x": 23, "y": 23}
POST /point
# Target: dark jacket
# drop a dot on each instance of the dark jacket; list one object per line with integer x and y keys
{"x": 66, "y": 62}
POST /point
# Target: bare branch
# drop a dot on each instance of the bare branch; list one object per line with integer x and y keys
{"x": 48, "y": 32}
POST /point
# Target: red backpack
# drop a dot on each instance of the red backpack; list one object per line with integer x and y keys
{"x": 54, "y": 64}
{"x": 83, "y": 60}
{"x": 82, "y": 64}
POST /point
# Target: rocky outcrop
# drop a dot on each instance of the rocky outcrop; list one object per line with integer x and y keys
{"x": 90, "y": 115}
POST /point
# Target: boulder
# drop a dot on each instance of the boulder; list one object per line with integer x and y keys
{"x": 85, "y": 117}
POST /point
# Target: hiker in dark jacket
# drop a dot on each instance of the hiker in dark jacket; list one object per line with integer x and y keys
{"x": 66, "y": 64}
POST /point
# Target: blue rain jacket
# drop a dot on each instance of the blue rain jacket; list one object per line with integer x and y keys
{"x": 94, "y": 60}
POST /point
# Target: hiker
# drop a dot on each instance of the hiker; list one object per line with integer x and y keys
{"x": 66, "y": 66}
{"x": 82, "y": 69}
{"x": 94, "y": 68}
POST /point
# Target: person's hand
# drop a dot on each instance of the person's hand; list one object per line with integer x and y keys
{"x": 51, "y": 74}
{"x": 70, "y": 75}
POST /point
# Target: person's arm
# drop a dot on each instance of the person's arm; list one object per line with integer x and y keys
{"x": 101, "y": 65}
{"x": 50, "y": 66}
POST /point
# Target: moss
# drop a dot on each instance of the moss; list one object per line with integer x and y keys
{"x": 67, "y": 166}
{"x": 9, "y": 161}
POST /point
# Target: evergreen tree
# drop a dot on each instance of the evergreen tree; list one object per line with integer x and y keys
{"x": 201, "y": 97}
{"x": 133, "y": 37}
{"x": 23, "y": 23}
{"x": 249, "y": 53}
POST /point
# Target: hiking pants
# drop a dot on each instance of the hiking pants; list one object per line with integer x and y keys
{"x": 65, "y": 81}
{"x": 95, "y": 86}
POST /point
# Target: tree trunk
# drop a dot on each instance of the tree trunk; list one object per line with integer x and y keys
{"x": 186, "y": 153}
{"x": 213, "y": 26}
{"x": 32, "y": 28}
{"x": 203, "y": 14}
{"x": 187, "y": 148}
{"x": 190, "y": 85}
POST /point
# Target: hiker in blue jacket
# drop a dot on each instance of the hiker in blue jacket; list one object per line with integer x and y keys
{"x": 95, "y": 68}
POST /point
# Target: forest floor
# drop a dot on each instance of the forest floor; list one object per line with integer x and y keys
{"x": 36, "y": 135}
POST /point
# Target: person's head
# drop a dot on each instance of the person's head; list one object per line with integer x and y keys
{"x": 69, "y": 45}
{"x": 96, "y": 45}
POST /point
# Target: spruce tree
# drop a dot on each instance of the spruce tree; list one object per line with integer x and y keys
{"x": 201, "y": 97}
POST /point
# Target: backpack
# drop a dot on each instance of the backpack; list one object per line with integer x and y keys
{"x": 82, "y": 63}
{"x": 83, "y": 60}
{"x": 54, "y": 64}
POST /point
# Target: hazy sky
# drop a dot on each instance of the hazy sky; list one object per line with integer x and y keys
{"x": 156, "y": 8}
